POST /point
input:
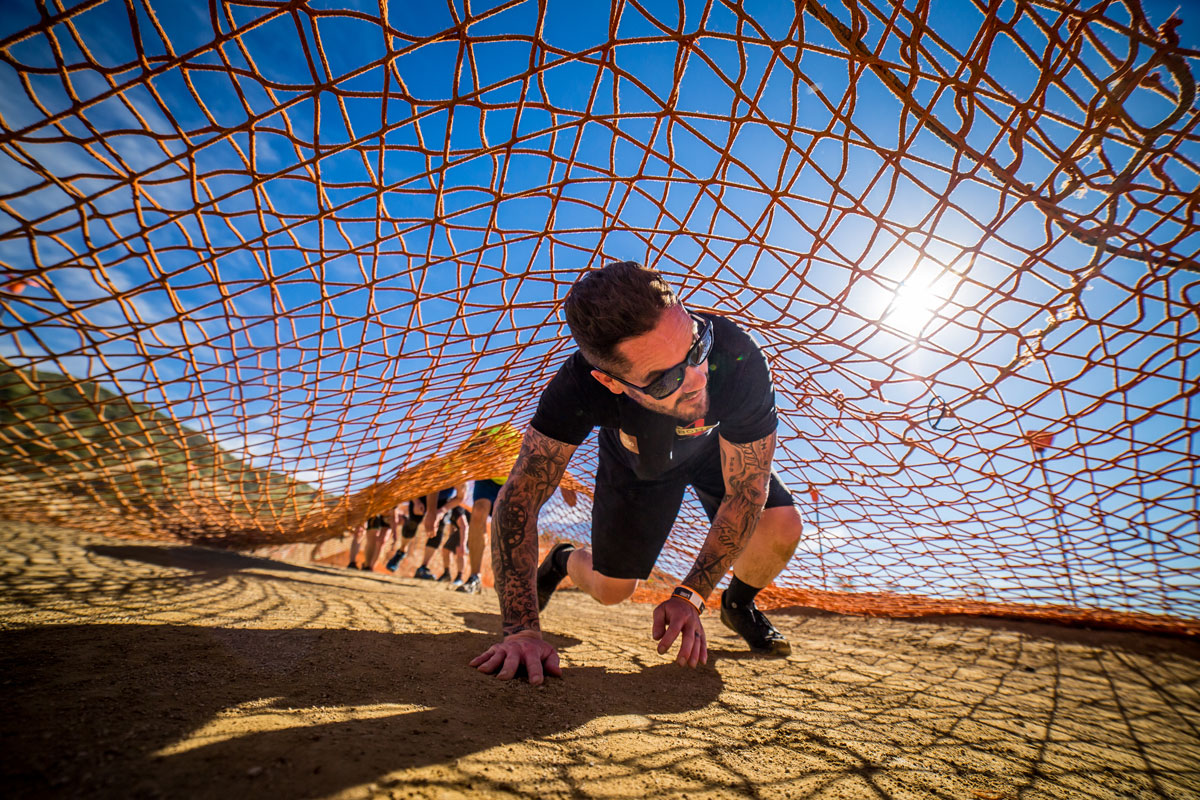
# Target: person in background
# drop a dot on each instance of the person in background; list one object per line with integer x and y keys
{"x": 356, "y": 540}
{"x": 440, "y": 502}
{"x": 485, "y": 492}
{"x": 452, "y": 534}
{"x": 378, "y": 529}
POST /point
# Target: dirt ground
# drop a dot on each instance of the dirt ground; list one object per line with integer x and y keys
{"x": 134, "y": 669}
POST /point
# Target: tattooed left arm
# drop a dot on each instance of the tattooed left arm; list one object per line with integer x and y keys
{"x": 747, "y": 471}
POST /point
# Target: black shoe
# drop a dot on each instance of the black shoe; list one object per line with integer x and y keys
{"x": 352, "y": 565}
{"x": 424, "y": 574}
{"x": 395, "y": 560}
{"x": 445, "y": 577}
{"x": 753, "y": 626}
{"x": 472, "y": 586}
{"x": 550, "y": 576}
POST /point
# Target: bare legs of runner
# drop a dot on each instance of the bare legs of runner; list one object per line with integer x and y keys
{"x": 372, "y": 547}
{"x": 355, "y": 543}
{"x": 477, "y": 531}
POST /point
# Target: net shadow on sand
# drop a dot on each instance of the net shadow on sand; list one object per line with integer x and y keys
{"x": 412, "y": 711}
{"x": 136, "y": 677}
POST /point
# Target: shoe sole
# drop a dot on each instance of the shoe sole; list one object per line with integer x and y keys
{"x": 779, "y": 648}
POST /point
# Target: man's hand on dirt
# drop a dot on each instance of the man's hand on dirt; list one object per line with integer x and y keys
{"x": 525, "y": 649}
{"x": 677, "y": 617}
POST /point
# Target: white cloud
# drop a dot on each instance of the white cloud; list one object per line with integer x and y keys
{"x": 822, "y": 540}
{"x": 252, "y": 444}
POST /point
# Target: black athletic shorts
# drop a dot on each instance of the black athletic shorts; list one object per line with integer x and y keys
{"x": 487, "y": 490}
{"x": 453, "y": 540}
{"x": 631, "y": 518}
{"x": 378, "y": 521}
{"x": 443, "y": 497}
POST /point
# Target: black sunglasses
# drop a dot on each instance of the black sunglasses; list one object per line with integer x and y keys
{"x": 669, "y": 382}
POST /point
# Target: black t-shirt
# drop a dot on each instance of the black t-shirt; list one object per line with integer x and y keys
{"x": 741, "y": 405}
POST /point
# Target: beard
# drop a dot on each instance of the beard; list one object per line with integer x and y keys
{"x": 684, "y": 411}
{"x": 694, "y": 409}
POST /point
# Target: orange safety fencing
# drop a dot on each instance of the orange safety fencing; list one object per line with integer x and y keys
{"x": 268, "y": 268}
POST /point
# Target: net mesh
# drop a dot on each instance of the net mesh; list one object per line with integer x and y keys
{"x": 272, "y": 267}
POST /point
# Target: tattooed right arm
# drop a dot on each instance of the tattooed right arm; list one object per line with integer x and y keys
{"x": 534, "y": 478}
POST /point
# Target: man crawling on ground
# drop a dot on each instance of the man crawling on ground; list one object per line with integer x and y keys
{"x": 681, "y": 399}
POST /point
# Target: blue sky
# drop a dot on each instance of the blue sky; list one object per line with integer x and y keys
{"x": 341, "y": 264}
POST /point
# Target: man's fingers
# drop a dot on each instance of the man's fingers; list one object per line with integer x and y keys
{"x": 505, "y": 660}
{"x": 688, "y": 648}
{"x": 533, "y": 666}
{"x": 698, "y": 647}
{"x": 660, "y": 623}
{"x": 512, "y": 662}
{"x": 685, "y": 648}
{"x": 668, "y": 638}
{"x": 693, "y": 646}
{"x": 495, "y": 662}
{"x": 489, "y": 661}
{"x": 552, "y": 665}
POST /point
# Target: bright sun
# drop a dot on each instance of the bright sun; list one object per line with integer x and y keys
{"x": 914, "y": 303}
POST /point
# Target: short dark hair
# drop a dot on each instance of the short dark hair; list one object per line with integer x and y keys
{"x": 620, "y": 300}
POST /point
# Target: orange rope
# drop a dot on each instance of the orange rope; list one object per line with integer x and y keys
{"x": 267, "y": 269}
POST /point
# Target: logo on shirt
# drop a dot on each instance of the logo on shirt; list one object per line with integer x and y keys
{"x": 695, "y": 428}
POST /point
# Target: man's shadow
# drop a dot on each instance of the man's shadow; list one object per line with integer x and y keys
{"x": 102, "y": 707}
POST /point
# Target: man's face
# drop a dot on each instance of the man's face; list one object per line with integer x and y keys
{"x": 659, "y": 349}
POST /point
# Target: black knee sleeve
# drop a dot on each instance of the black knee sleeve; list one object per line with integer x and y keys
{"x": 436, "y": 539}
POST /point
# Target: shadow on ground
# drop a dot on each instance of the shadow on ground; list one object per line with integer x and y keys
{"x": 197, "y": 559}
{"x": 335, "y": 730}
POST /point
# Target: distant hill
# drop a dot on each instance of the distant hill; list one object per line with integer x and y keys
{"x": 69, "y": 447}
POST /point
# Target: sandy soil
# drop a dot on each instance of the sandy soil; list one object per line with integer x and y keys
{"x": 134, "y": 669}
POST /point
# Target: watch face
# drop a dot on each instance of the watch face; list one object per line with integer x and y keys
{"x": 692, "y": 597}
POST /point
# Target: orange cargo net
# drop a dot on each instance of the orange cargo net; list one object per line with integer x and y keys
{"x": 268, "y": 268}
